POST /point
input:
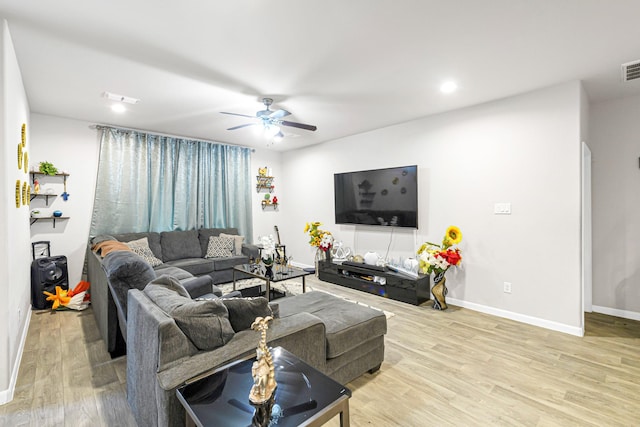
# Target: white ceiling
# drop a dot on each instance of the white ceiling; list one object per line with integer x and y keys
{"x": 347, "y": 66}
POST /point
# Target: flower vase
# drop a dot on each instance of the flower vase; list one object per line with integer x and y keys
{"x": 320, "y": 256}
{"x": 268, "y": 267}
{"x": 439, "y": 291}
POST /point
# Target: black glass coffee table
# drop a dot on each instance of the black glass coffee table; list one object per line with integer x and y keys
{"x": 304, "y": 396}
{"x": 277, "y": 275}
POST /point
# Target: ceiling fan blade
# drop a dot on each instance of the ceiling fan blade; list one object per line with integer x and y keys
{"x": 242, "y": 126}
{"x": 236, "y": 114}
{"x": 298, "y": 125}
{"x": 279, "y": 114}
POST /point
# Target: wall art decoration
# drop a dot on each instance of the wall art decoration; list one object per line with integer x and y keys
{"x": 20, "y": 156}
{"x": 25, "y": 161}
{"x": 24, "y": 135}
{"x": 18, "y": 195}
{"x": 24, "y": 193}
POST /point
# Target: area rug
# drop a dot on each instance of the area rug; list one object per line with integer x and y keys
{"x": 290, "y": 287}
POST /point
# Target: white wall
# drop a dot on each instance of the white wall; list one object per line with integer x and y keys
{"x": 72, "y": 147}
{"x": 524, "y": 150}
{"x": 15, "y": 256}
{"x": 615, "y": 148}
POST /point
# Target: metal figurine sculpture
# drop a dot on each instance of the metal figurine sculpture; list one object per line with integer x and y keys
{"x": 262, "y": 371}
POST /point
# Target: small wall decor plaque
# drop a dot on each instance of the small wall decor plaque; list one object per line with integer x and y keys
{"x": 24, "y": 135}
{"x": 24, "y": 193}
{"x": 20, "y": 156}
{"x": 18, "y": 195}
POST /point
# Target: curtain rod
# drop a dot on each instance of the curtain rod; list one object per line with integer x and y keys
{"x": 101, "y": 126}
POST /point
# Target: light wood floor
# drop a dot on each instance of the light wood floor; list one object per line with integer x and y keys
{"x": 451, "y": 368}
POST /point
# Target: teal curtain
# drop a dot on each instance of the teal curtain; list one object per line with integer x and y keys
{"x": 150, "y": 182}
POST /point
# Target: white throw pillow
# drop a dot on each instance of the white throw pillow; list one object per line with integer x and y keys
{"x": 141, "y": 247}
{"x": 219, "y": 247}
{"x": 238, "y": 241}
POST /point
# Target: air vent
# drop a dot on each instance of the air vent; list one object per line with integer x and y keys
{"x": 631, "y": 71}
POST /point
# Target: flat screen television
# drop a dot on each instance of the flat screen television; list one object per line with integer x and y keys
{"x": 385, "y": 197}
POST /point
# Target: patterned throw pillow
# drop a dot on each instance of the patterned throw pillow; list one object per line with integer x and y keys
{"x": 219, "y": 247}
{"x": 141, "y": 247}
{"x": 238, "y": 240}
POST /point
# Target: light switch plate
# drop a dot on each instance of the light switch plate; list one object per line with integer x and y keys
{"x": 502, "y": 208}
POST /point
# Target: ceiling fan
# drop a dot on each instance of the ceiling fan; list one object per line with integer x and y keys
{"x": 271, "y": 120}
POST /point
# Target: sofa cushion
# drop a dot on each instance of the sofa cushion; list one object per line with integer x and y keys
{"x": 237, "y": 242}
{"x": 141, "y": 247}
{"x": 195, "y": 266}
{"x": 220, "y": 247}
{"x": 152, "y": 237}
{"x": 227, "y": 263}
{"x": 243, "y": 311}
{"x": 205, "y": 233}
{"x": 170, "y": 270}
{"x": 347, "y": 324}
{"x": 180, "y": 245}
{"x": 205, "y": 323}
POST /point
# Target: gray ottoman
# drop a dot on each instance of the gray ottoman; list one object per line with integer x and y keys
{"x": 354, "y": 333}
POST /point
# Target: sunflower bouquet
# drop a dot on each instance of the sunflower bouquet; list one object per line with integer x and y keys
{"x": 321, "y": 239}
{"x": 434, "y": 258}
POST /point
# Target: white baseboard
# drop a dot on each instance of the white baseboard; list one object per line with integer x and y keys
{"x": 547, "y": 324}
{"x": 626, "y": 314}
{"x": 6, "y": 396}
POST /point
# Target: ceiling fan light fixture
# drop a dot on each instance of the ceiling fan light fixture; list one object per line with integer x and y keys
{"x": 448, "y": 87}
{"x": 271, "y": 130}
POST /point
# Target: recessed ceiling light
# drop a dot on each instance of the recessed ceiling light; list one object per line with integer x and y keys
{"x": 448, "y": 87}
{"x": 118, "y": 108}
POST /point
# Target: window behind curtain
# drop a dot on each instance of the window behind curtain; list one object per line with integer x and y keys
{"x": 150, "y": 182}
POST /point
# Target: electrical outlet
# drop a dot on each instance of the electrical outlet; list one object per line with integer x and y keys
{"x": 507, "y": 287}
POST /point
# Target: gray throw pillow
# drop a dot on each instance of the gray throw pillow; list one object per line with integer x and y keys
{"x": 243, "y": 311}
{"x": 169, "y": 282}
{"x": 205, "y": 323}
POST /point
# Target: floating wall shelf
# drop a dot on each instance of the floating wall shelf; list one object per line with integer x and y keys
{"x": 54, "y": 218}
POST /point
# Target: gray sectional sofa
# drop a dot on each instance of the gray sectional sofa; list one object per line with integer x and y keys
{"x": 173, "y": 323}
{"x": 180, "y": 254}
{"x": 341, "y": 339}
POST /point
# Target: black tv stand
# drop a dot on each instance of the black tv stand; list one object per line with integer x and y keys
{"x": 398, "y": 286}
